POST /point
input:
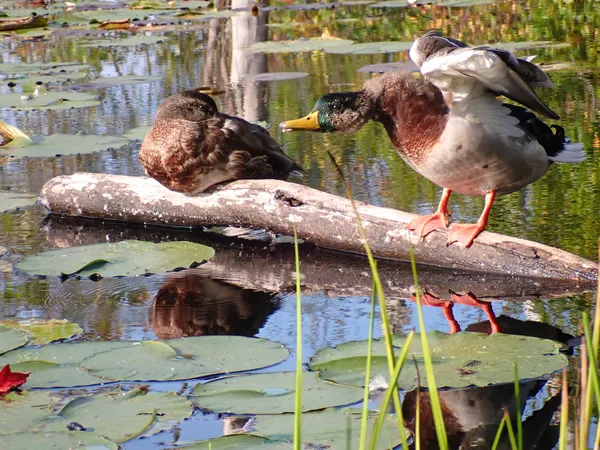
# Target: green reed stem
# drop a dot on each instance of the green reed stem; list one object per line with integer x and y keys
{"x": 436, "y": 408}
{"x": 593, "y": 366}
{"x": 390, "y": 392}
{"x": 518, "y": 405}
{"x": 380, "y": 296}
{"x": 298, "y": 393}
{"x": 511, "y": 433}
{"x": 564, "y": 412}
{"x": 365, "y": 408}
{"x": 499, "y": 433}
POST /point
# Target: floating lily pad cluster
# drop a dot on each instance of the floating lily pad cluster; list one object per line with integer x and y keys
{"x": 112, "y": 415}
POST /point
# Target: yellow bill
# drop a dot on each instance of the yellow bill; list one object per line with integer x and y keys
{"x": 309, "y": 123}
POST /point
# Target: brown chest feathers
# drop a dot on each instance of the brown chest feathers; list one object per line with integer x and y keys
{"x": 412, "y": 110}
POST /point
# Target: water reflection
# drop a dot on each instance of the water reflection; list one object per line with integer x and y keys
{"x": 193, "y": 304}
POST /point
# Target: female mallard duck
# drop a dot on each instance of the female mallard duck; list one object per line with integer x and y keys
{"x": 192, "y": 146}
{"x": 471, "y": 142}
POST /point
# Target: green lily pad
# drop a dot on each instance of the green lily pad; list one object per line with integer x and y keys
{"x": 236, "y": 442}
{"x": 57, "y": 365}
{"x": 528, "y": 45}
{"x": 125, "y": 258}
{"x": 301, "y": 45}
{"x": 125, "y": 42}
{"x": 48, "y": 100}
{"x": 275, "y": 76}
{"x": 270, "y": 393}
{"x": 13, "y": 200}
{"x": 63, "y": 144}
{"x": 459, "y": 360}
{"x": 138, "y": 133}
{"x": 180, "y": 359}
{"x": 124, "y": 80}
{"x": 122, "y": 416}
{"x": 46, "y": 374}
{"x": 46, "y": 78}
{"x": 24, "y": 69}
{"x": 57, "y": 441}
{"x": 25, "y": 411}
{"x": 206, "y": 15}
{"x": 42, "y": 332}
{"x": 370, "y": 48}
{"x": 335, "y": 429}
{"x": 100, "y": 15}
{"x": 11, "y": 339}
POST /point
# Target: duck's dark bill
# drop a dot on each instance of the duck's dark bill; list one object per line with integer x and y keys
{"x": 309, "y": 122}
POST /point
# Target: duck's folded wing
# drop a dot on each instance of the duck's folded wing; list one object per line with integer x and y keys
{"x": 467, "y": 70}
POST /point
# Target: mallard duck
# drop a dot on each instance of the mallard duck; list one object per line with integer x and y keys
{"x": 192, "y": 146}
{"x": 471, "y": 142}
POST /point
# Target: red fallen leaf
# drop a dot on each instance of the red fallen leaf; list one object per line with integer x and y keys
{"x": 10, "y": 380}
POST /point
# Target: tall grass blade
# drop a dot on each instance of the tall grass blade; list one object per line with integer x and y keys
{"x": 380, "y": 296}
{"x": 518, "y": 405}
{"x": 593, "y": 365}
{"x": 499, "y": 433}
{"x": 391, "y": 390}
{"x": 418, "y": 408}
{"x": 298, "y": 393}
{"x": 564, "y": 412}
{"x": 436, "y": 408}
{"x": 511, "y": 433}
{"x": 365, "y": 408}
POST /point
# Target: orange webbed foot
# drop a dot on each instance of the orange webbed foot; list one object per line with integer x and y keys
{"x": 469, "y": 299}
{"x": 464, "y": 233}
{"x": 424, "y": 225}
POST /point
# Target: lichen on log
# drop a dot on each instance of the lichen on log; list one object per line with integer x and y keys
{"x": 323, "y": 219}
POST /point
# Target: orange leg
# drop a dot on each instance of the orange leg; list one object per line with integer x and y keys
{"x": 424, "y": 225}
{"x": 465, "y": 233}
{"x": 470, "y": 300}
{"x": 432, "y": 300}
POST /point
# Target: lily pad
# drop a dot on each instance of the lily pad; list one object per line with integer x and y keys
{"x": 100, "y": 15}
{"x": 121, "y": 416}
{"x": 25, "y": 411}
{"x": 64, "y": 144}
{"x": 42, "y": 332}
{"x": 52, "y": 78}
{"x": 459, "y": 360}
{"x": 13, "y": 200}
{"x": 11, "y": 339}
{"x": 335, "y": 429}
{"x": 23, "y": 69}
{"x": 124, "y": 80}
{"x": 276, "y": 76}
{"x": 46, "y": 374}
{"x": 528, "y": 45}
{"x": 270, "y": 393}
{"x": 48, "y": 100}
{"x": 57, "y": 441}
{"x": 180, "y": 359}
{"x": 138, "y": 133}
{"x": 370, "y": 48}
{"x": 56, "y": 365}
{"x": 125, "y": 42}
{"x": 125, "y": 258}
{"x": 301, "y": 45}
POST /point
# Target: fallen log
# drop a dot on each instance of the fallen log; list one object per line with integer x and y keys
{"x": 22, "y": 23}
{"x": 321, "y": 218}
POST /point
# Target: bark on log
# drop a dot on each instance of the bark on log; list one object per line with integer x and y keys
{"x": 321, "y": 218}
{"x": 22, "y": 23}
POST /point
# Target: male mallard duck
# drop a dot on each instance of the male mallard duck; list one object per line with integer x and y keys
{"x": 469, "y": 142}
{"x": 192, "y": 146}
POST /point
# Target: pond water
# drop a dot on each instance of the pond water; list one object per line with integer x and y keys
{"x": 248, "y": 288}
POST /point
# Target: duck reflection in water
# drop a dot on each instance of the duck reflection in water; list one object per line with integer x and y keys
{"x": 192, "y": 304}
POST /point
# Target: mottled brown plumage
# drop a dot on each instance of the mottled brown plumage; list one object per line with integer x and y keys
{"x": 192, "y": 146}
